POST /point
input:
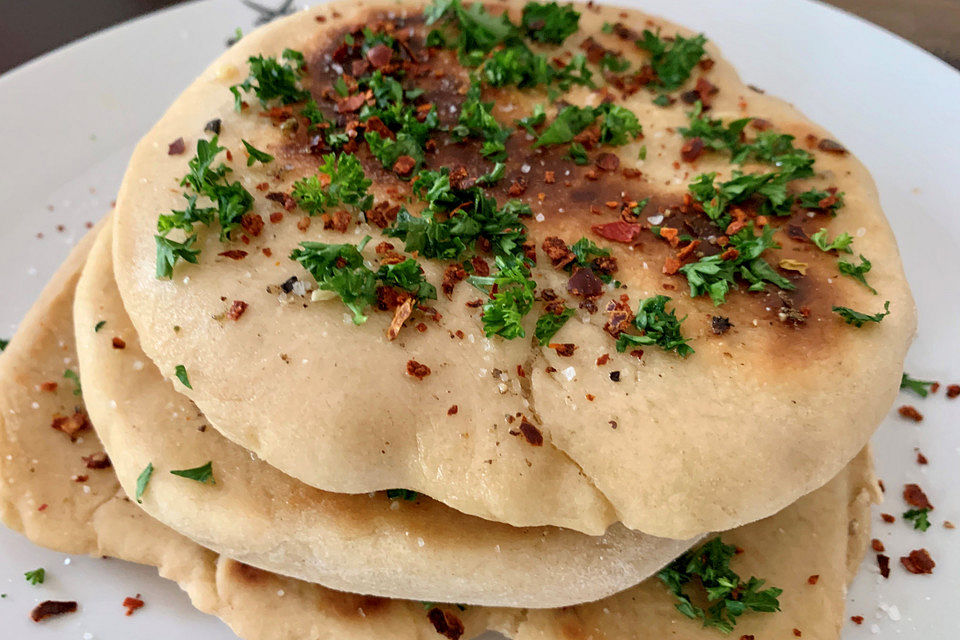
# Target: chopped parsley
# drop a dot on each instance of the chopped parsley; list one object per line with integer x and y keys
{"x": 255, "y": 155}
{"x": 478, "y": 31}
{"x": 512, "y": 300}
{"x": 534, "y": 120}
{"x": 549, "y": 324}
{"x": 202, "y": 474}
{"x": 402, "y": 494}
{"x": 858, "y": 319}
{"x": 570, "y": 121}
{"x": 586, "y": 250}
{"x": 98, "y": 326}
{"x": 3, "y": 344}
{"x": 919, "y": 387}
{"x": 618, "y": 125}
{"x": 578, "y": 154}
{"x": 857, "y": 272}
{"x": 271, "y": 79}
{"x": 345, "y": 183}
{"x": 613, "y": 63}
{"x": 407, "y": 275}
{"x": 918, "y": 517}
{"x": 142, "y": 480}
{"x": 70, "y": 374}
{"x": 181, "y": 372}
{"x": 656, "y": 327}
{"x": 35, "y": 577}
{"x": 727, "y": 595}
{"x": 672, "y": 60}
{"x": 715, "y": 134}
{"x": 714, "y": 276}
{"x": 841, "y": 243}
{"x": 812, "y": 198}
{"x": 549, "y": 22}
{"x": 476, "y": 121}
{"x": 170, "y": 251}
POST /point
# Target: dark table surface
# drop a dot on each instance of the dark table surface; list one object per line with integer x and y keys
{"x": 30, "y": 28}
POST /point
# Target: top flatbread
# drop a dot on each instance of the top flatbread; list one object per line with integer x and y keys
{"x": 824, "y": 533}
{"x": 674, "y": 448}
{"x": 368, "y": 543}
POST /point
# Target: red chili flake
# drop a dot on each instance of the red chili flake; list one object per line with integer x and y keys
{"x": 383, "y": 214}
{"x": 81, "y": 478}
{"x": 452, "y": 411}
{"x": 98, "y": 460}
{"x": 176, "y": 147}
{"x": 585, "y": 284}
{"x": 118, "y": 343}
{"x": 604, "y": 359}
{"x": 452, "y": 275}
{"x": 71, "y": 425}
{"x": 915, "y": 497}
{"x": 886, "y": 517}
{"x": 276, "y": 217}
{"x": 883, "y": 562}
{"x": 591, "y": 397}
{"x": 910, "y": 412}
{"x": 236, "y": 309}
{"x": 49, "y": 386}
{"x": 671, "y": 265}
{"x": 921, "y": 459}
{"x": 267, "y": 251}
{"x": 404, "y": 165}
{"x": 558, "y": 252}
{"x": 934, "y": 387}
{"x": 517, "y": 188}
{"x": 474, "y": 304}
{"x": 446, "y": 624}
{"x": 234, "y": 254}
{"x": 637, "y": 353}
{"x": 285, "y": 200}
{"x": 132, "y": 604}
{"x": 549, "y": 177}
{"x": 252, "y": 223}
{"x": 618, "y": 231}
{"x": 953, "y": 391}
{"x": 919, "y": 562}
{"x": 797, "y": 632}
{"x": 831, "y": 146}
{"x": 263, "y": 186}
{"x": 379, "y": 55}
{"x": 856, "y": 619}
{"x": 530, "y": 432}
{"x": 949, "y": 525}
{"x": 877, "y": 546}
{"x": 480, "y": 266}
{"x": 691, "y": 149}
{"x": 607, "y": 162}
{"x": 813, "y": 579}
{"x": 417, "y": 370}
{"x": 563, "y": 349}
{"x": 50, "y": 608}
{"x": 303, "y": 223}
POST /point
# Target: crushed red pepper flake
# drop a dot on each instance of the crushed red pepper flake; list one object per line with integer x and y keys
{"x": 132, "y": 604}
{"x": 886, "y": 517}
{"x": 417, "y": 369}
{"x": 921, "y": 459}
{"x": 883, "y": 562}
{"x": 237, "y": 309}
{"x": 530, "y": 432}
{"x": 814, "y": 579}
{"x": 252, "y": 223}
{"x": 604, "y": 359}
{"x": 910, "y": 412}
{"x": 71, "y": 425}
{"x": 446, "y": 624}
{"x": 915, "y": 497}
{"x": 877, "y": 545}
{"x": 797, "y": 633}
{"x": 856, "y": 619}
{"x": 400, "y": 315}
{"x": 99, "y": 460}
{"x": 51, "y": 608}
{"x": 49, "y": 386}
{"x": 233, "y": 254}
{"x": 118, "y": 343}
{"x": 276, "y": 216}
{"x": 176, "y": 147}
{"x": 918, "y": 562}
{"x": 452, "y": 411}
{"x": 563, "y": 349}
{"x": 953, "y": 391}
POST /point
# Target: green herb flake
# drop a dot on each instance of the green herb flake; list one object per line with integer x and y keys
{"x": 858, "y": 319}
{"x": 726, "y": 594}
{"x": 35, "y": 577}
{"x": 841, "y": 243}
{"x": 919, "y": 387}
{"x": 549, "y": 324}
{"x": 503, "y": 313}
{"x": 347, "y": 184}
{"x": 578, "y": 154}
{"x": 3, "y": 344}
{"x": 270, "y": 79}
{"x": 656, "y": 327}
{"x": 70, "y": 374}
{"x": 339, "y": 268}
{"x": 170, "y": 251}
{"x": 202, "y": 474}
{"x": 549, "y": 22}
{"x": 918, "y": 517}
{"x": 255, "y": 155}
{"x": 98, "y": 326}
{"x": 181, "y": 372}
{"x": 402, "y": 494}
{"x": 142, "y": 480}
{"x": 857, "y": 272}
{"x": 672, "y": 60}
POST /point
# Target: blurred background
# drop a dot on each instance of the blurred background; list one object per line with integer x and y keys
{"x": 31, "y": 28}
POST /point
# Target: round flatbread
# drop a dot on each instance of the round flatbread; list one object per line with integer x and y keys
{"x": 369, "y": 543}
{"x": 824, "y": 533}
{"x": 573, "y": 433}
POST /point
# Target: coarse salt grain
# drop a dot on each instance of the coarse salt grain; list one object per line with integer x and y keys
{"x": 569, "y": 373}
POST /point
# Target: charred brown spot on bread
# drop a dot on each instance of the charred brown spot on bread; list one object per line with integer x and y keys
{"x": 446, "y": 623}
{"x": 247, "y": 574}
{"x": 73, "y": 424}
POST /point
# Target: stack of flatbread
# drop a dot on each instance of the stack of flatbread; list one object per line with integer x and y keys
{"x": 415, "y": 321}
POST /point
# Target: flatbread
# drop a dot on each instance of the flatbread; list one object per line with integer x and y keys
{"x": 824, "y": 533}
{"x": 364, "y": 543}
{"x": 674, "y": 448}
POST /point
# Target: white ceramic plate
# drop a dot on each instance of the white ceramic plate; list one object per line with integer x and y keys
{"x": 69, "y": 120}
